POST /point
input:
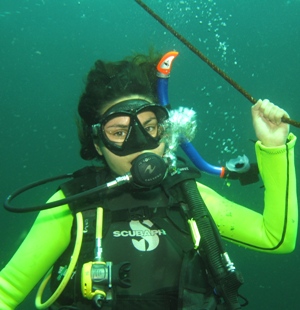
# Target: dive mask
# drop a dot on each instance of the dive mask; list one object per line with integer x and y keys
{"x": 131, "y": 126}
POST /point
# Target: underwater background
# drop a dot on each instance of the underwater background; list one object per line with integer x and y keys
{"x": 48, "y": 46}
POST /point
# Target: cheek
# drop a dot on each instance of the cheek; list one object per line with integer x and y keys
{"x": 160, "y": 150}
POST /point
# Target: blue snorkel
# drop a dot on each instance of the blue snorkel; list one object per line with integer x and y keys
{"x": 163, "y": 74}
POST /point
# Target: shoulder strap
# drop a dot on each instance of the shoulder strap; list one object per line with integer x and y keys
{"x": 85, "y": 179}
{"x": 183, "y": 172}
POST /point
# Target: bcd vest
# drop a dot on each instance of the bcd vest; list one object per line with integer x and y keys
{"x": 145, "y": 229}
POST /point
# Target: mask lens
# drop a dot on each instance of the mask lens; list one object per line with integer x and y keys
{"x": 116, "y": 129}
{"x": 149, "y": 122}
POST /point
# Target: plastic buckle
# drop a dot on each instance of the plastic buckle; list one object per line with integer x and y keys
{"x": 139, "y": 213}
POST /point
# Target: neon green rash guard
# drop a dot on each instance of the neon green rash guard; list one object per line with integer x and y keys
{"x": 274, "y": 231}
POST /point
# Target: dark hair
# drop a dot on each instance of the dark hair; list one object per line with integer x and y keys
{"x": 108, "y": 81}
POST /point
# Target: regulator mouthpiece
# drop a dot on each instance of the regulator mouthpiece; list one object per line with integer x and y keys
{"x": 148, "y": 170}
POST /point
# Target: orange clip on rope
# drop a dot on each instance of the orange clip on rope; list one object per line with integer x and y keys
{"x": 165, "y": 64}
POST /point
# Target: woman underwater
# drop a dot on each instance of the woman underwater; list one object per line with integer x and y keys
{"x": 145, "y": 231}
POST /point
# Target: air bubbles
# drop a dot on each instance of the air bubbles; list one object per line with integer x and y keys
{"x": 223, "y": 138}
{"x": 207, "y": 21}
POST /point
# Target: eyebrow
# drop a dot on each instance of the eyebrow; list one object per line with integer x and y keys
{"x": 117, "y": 126}
{"x": 146, "y": 122}
{"x": 149, "y": 120}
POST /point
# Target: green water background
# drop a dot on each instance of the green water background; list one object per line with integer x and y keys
{"x": 47, "y": 47}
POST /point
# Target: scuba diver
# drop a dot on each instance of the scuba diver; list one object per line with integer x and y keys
{"x": 149, "y": 238}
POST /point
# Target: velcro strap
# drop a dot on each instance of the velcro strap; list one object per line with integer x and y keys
{"x": 136, "y": 214}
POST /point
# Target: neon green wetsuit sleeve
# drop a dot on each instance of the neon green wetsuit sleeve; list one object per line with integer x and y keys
{"x": 45, "y": 242}
{"x": 275, "y": 230}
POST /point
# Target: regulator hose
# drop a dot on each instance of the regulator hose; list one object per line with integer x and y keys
{"x": 225, "y": 278}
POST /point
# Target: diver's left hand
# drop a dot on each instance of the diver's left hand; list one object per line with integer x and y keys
{"x": 269, "y": 128}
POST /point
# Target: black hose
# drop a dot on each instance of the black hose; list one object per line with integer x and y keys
{"x": 226, "y": 281}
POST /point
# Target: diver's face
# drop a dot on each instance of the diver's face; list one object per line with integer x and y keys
{"x": 116, "y": 130}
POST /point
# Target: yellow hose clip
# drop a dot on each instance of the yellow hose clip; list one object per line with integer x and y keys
{"x": 195, "y": 233}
